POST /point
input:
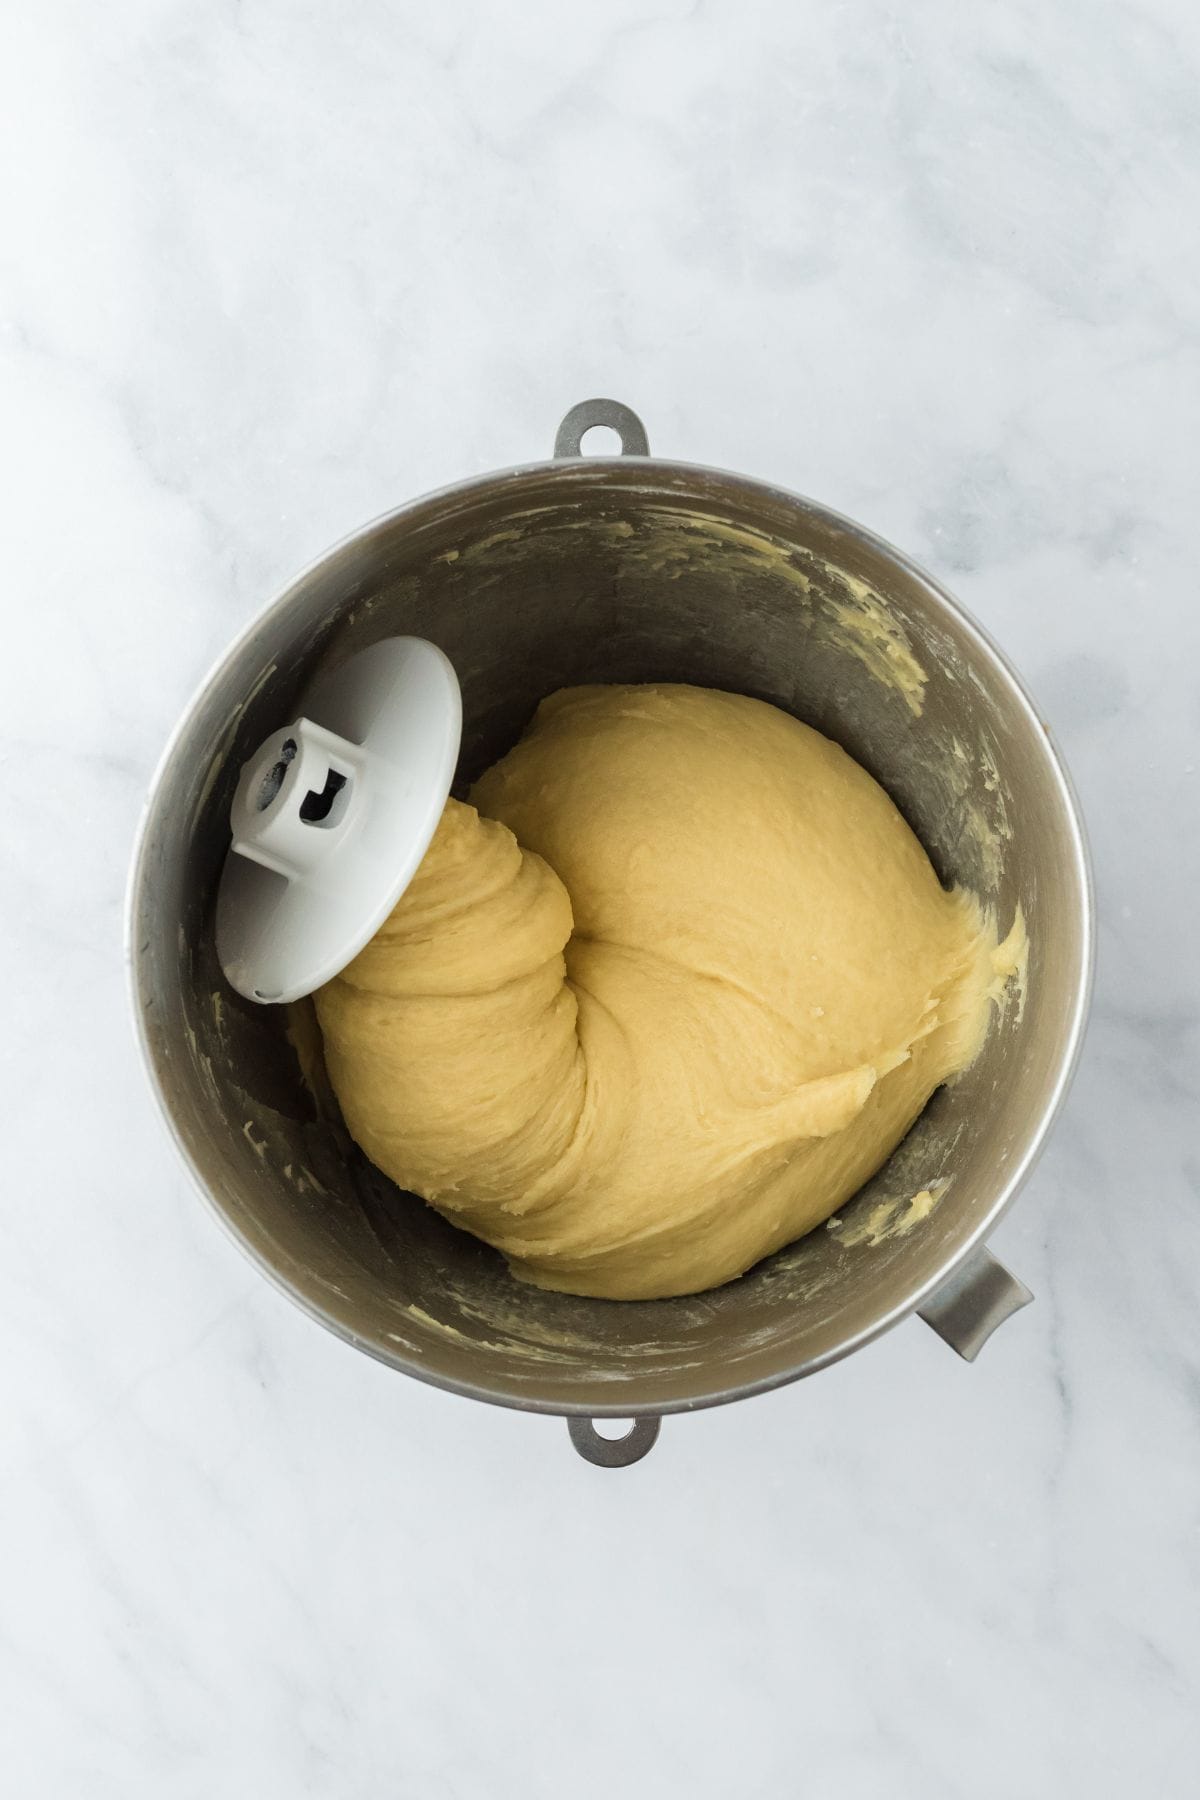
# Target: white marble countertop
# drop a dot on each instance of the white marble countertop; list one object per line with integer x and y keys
{"x": 268, "y": 269}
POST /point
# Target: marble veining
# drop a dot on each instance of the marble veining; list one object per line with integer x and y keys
{"x": 267, "y": 269}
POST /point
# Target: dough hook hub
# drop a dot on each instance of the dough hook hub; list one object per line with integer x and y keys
{"x": 332, "y": 816}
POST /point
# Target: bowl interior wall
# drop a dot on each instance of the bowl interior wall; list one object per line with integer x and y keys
{"x": 612, "y": 572}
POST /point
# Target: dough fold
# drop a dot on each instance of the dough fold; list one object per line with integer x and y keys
{"x": 661, "y": 999}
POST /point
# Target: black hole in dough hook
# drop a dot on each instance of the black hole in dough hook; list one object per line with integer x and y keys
{"x": 272, "y": 781}
{"x": 315, "y": 809}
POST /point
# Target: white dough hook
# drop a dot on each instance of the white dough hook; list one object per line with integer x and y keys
{"x": 332, "y": 816}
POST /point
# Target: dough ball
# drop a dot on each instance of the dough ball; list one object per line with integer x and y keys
{"x": 661, "y": 999}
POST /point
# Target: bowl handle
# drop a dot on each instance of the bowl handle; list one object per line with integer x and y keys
{"x": 964, "y": 1312}
{"x": 979, "y": 1296}
{"x": 615, "y": 1453}
{"x": 621, "y": 419}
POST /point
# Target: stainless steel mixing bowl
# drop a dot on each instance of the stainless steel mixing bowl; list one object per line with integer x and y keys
{"x": 624, "y": 569}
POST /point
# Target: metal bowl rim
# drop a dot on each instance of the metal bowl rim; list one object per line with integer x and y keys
{"x": 627, "y": 467}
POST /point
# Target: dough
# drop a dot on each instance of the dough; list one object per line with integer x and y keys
{"x": 664, "y": 1002}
